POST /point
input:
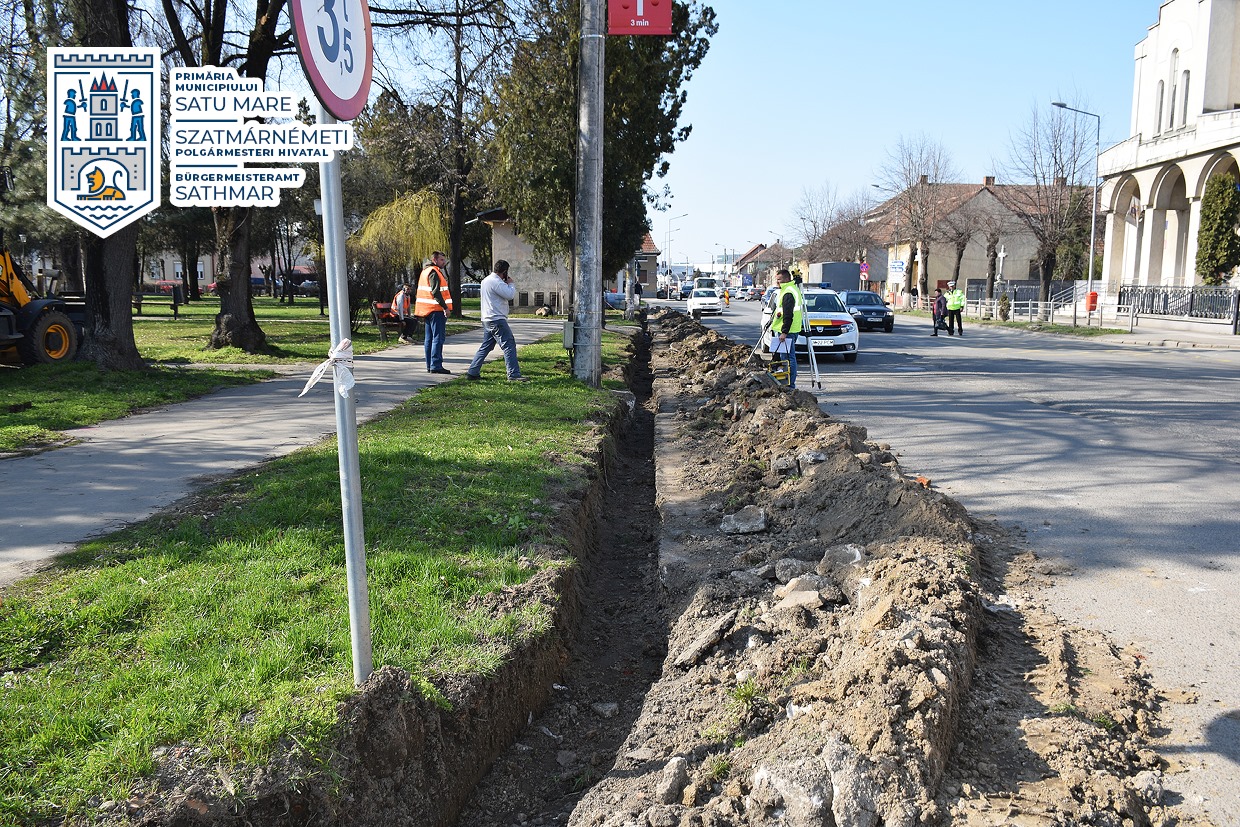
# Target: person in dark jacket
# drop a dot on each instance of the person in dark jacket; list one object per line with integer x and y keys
{"x": 940, "y": 310}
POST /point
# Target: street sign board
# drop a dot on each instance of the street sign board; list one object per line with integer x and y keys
{"x": 897, "y": 266}
{"x": 865, "y": 267}
{"x": 335, "y": 45}
{"x": 639, "y": 17}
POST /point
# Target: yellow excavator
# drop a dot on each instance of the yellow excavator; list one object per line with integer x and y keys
{"x": 41, "y": 330}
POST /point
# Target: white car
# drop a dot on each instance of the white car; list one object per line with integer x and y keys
{"x": 831, "y": 327}
{"x": 703, "y": 300}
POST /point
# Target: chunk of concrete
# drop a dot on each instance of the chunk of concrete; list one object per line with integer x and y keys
{"x": 673, "y": 781}
{"x": 749, "y": 520}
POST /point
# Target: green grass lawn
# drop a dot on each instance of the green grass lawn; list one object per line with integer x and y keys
{"x": 43, "y": 401}
{"x": 295, "y": 333}
{"x": 226, "y": 624}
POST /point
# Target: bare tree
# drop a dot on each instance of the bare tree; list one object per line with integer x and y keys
{"x": 829, "y": 228}
{"x": 910, "y": 174}
{"x": 1051, "y": 159}
{"x": 959, "y": 227}
{"x": 812, "y": 217}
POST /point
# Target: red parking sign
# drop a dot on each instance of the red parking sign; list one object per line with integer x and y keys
{"x": 639, "y": 17}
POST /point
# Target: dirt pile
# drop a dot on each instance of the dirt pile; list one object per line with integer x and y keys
{"x": 845, "y": 646}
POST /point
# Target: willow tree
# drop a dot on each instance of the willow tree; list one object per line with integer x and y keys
{"x": 393, "y": 242}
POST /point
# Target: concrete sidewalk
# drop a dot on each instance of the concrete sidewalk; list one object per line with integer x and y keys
{"x": 124, "y": 470}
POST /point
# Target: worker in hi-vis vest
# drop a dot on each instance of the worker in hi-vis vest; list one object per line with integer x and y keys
{"x": 789, "y": 322}
{"x": 432, "y": 306}
{"x": 955, "y": 309}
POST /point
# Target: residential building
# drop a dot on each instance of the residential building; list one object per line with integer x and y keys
{"x": 971, "y": 222}
{"x": 1185, "y": 129}
{"x": 551, "y": 286}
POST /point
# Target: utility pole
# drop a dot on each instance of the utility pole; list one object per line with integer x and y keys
{"x": 588, "y": 265}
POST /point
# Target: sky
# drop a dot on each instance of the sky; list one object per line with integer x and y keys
{"x": 797, "y": 95}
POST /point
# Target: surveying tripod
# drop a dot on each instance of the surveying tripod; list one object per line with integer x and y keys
{"x": 781, "y": 372}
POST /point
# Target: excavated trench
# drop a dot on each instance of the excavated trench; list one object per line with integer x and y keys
{"x": 769, "y": 624}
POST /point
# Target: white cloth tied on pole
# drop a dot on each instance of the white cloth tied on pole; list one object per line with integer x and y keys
{"x": 340, "y": 360}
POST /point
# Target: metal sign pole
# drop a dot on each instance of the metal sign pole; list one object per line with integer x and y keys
{"x": 326, "y": 35}
{"x": 346, "y": 418}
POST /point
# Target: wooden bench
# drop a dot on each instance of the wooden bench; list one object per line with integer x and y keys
{"x": 137, "y": 300}
{"x": 383, "y": 317}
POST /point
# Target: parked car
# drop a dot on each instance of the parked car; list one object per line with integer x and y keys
{"x": 257, "y": 285}
{"x": 309, "y": 287}
{"x": 165, "y": 286}
{"x": 704, "y": 300}
{"x": 615, "y": 301}
{"x": 868, "y": 309}
{"x": 471, "y": 290}
{"x": 750, "y": 294}
{"x": 831, "y": 327}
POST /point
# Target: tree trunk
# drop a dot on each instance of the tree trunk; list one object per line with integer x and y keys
{"x": 109, "y": 341}
{"x": 923, "y": 269}
{"x": 1047, "y": 275}
{"x": 992, "y": 258}
{"x": 235, "y": 326}
{"x": 71, "y": 268}
{"x": 959, "y": 259}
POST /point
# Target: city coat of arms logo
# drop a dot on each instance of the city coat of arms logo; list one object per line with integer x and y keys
{"x": 103, "y": 135}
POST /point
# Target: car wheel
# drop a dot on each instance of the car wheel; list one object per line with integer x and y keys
{"x": 850, "y": 357}
{"x": 890, "y": 326}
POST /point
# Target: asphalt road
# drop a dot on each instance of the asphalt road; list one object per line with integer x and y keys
{"x": 1119, "y": 462}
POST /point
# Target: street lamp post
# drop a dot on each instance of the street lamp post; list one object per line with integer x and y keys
{"x": 668, "y": 251}
{"x": 1093, "y": 213}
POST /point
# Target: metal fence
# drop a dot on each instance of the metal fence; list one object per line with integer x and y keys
{"x": 1206, "y": 303}
{"x": 1030, "y": 310}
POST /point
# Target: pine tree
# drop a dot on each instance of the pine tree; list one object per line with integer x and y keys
{"x": 1218, "y": 245}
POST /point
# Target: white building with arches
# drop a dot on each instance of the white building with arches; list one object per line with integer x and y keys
{"x": 1185, "y": 129}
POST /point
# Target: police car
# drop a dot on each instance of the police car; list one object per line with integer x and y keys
{"x": 832, "y": 328}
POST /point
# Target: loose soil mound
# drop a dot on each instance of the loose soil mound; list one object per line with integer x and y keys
{"x": 809, "y": 637}
{"x": 847, "y": 646}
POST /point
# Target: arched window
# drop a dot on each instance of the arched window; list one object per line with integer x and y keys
{"x": 1184, "y": 99}
{"x": 1175, "y": 71}
{"x": 1158, "y": 121}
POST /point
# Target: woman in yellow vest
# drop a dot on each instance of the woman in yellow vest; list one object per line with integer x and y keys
{"x": 432, "y": 306}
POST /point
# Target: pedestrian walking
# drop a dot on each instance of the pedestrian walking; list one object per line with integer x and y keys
{"x": 402, "y": 306}
{"x": 432, "y": 307}
{"x": 955, "y": 309}
{"x": 497, "y": 291}
{"x": 938, "y": 312}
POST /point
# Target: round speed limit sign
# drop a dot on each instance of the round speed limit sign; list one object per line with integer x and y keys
{"x": 334, "y": 43}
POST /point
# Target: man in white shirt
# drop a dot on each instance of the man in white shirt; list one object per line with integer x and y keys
{"x": 497, "y": 291}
